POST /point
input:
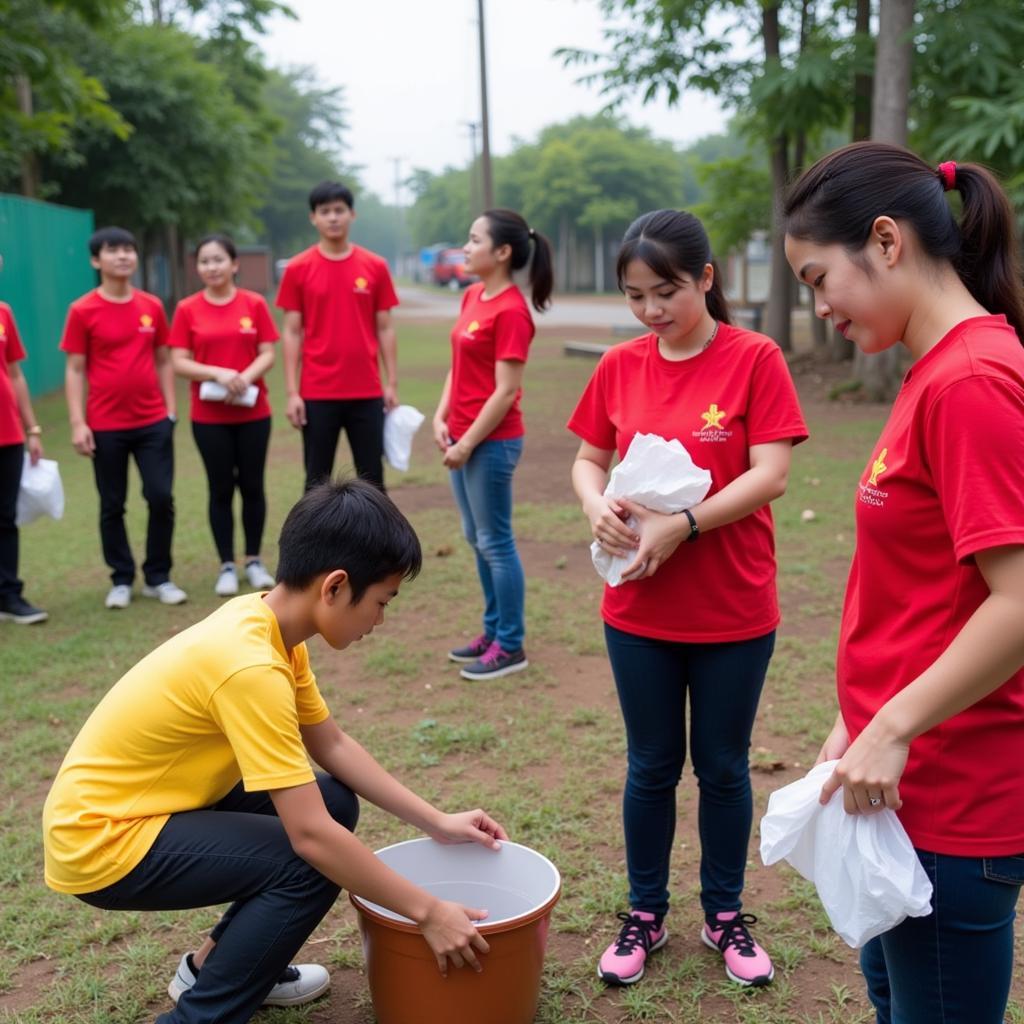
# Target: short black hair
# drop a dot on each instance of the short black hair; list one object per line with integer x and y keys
{"x": 331, "y": 192}
{"x": 226, "y": 242}
{"x": 111, "y": 236}
{"x": 350, "y": 525}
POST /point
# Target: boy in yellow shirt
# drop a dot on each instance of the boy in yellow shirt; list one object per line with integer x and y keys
{"x": 190, "y": 783}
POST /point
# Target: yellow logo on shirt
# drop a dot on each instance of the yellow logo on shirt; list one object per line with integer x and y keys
{"x": 3, "y": 330}
{"x": 245, "y": 325}
{"x": 713, "y": 417}
{"x": 362, "y": 285}
{"x": 146, "y": 320}
{"x": 878, "y": 467}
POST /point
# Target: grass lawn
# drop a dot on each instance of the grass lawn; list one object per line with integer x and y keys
{"x": 542, "y": 750}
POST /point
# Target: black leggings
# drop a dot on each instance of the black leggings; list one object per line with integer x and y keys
{"x": 235, "y": 455}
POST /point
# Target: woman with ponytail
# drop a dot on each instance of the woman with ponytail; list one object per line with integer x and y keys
{"x": 930, "y": 666}
{"x": 478, "y": 425}
{"x": 696, "y": 615}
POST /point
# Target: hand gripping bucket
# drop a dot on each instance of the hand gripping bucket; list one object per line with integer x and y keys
{"x": 517, "y": 885}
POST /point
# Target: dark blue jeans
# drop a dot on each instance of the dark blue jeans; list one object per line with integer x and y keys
{"x": 483, "y": 492}
{"x": 955, "y": 965}
{"x": 236, "y": 851}
{"x": 724, "y": 684}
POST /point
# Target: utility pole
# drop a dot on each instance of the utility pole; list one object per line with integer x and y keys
{"x": 474, "y": 190}
{"x": 485, "y": 124}
{"x": 399, "y": 213}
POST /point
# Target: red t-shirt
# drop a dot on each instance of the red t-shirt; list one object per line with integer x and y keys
{"x": 735, "y": 394}
{"x": 227, "y": 335}
{"x": 11, "y": 351}
{"x": 119, "y": 341}
{"x": 487, "y": 330}
{"x": 339, "y": 301}
{"x": 944, "y": 481}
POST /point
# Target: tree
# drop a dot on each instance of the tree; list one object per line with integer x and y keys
{"x": 799, "y": 85}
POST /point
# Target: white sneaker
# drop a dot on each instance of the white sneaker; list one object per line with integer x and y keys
{"x": 258, "y": 576}
{"x": 167, "y": 593}
{"x": 300, "y": 983}
{"x": 227, "y": 581}
{"x": 119, "y": 596}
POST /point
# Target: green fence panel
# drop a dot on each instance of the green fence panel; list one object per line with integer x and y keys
{"x": 45, "y": 268}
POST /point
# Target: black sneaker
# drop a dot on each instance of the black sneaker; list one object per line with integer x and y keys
{"x": 14, "y": 608}
{"x": 495, "y": 662}
{"x": 472, "y": 651}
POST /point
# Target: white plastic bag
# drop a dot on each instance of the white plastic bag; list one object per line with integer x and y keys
{"x": 865, "y": 869}
{"x": 41, "y": 492}
{"x": 655, "y": 473}
{"x": 400, "y": 426}
{"x": 211, "y": 391}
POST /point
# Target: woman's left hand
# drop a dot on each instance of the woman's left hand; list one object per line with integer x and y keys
{"x": 660, "y": 535}
{"x": 469, "y": 827}
{"x": 870, "y": 771}
{"x": 456, "y": 455}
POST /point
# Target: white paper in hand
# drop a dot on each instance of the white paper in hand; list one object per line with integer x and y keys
{"x": 41, "y": 492}
{"x": 864, "y": 867}
{"x": 400, "y": 426}
{"x": 211, "y": 391}
{"x": 655, "y": 473}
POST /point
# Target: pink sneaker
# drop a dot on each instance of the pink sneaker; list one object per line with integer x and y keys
{"x": 623, "y": 961}
{"x": 746, "y": 962}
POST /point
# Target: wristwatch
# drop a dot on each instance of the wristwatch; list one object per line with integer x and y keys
{"x": 694, "y": 528}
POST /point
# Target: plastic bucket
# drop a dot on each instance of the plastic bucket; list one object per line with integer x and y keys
{"x": 516, "y": 885}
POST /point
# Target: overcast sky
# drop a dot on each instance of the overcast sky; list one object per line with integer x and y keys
{"x": 409, "y": 69}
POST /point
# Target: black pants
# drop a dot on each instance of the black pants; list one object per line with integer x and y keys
{"x": 236, "y": 851}
{"x": 235, "y": 455}
{"x": 362, "y": 420}
{"x": 152, "y": 448}
{"x": 11, "y": 460}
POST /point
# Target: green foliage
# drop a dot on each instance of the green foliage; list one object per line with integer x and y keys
{"x": 193, "y": 158}
{"x": 737, "y": 201}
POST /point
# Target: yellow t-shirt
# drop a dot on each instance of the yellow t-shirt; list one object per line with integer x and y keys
{"x": 219, "y": 702}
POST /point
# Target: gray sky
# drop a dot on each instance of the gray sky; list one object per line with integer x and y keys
{"x": 409, "y": 69}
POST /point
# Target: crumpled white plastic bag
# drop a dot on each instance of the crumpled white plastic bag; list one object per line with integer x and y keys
{"x": 655, "y": 473}
{"x": 41, "y": 492}
{"x": 865, "y": 869}
{"x": 211, "y": 391}
{"x": 400, "y": 426}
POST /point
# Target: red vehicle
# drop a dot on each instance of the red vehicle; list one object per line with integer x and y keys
{"x": 449, "y": 270}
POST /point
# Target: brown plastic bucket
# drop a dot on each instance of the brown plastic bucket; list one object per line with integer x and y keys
{"x": 517, "y": 885}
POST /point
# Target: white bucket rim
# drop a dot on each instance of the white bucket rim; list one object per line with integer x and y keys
{"x": 396, "y": 918}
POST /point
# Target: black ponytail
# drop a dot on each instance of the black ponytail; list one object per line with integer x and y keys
{"x": 838, "y": 200}
{"x": 672, "y": 243}
{"x": 506, "y": 227}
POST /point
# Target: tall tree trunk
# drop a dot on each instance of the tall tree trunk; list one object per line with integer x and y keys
{"x": 862, "y": 84}
{"x": 598, "y": 259}
{"x": 563, "y": 252}
{"x": 780, "y": 295}
{"x": 29, "y": 161}
{"x": 881, "y": 374}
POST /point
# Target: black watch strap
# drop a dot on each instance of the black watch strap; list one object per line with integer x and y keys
{"x": 694, "y": 528}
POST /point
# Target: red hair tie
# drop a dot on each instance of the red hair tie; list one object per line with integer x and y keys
{"x": 947, "y": 171}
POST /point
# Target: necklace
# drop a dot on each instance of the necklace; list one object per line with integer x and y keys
{"x": 714, "y": 334}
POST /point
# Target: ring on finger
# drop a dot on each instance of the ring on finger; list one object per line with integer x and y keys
{"x": 874, "y": 801}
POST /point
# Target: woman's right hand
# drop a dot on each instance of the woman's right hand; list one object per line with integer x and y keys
{"x": 442, "y": 438}
{"x": 607, "y": 524}
{"x": 451, "y": 934}
{"x": 232, "y": 380}
{"x": 837, "y": 743}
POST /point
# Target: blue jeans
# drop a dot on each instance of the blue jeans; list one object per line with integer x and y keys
{"x": 724, "y": 682}
{"x": 953, "y": 966}
{"x": 236, "y": 851}
{"x": 483, "y": 492}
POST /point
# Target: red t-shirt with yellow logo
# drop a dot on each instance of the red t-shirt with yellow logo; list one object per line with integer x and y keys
{"x": 224, "y": 335}
{"x": 736, "y": 393}
{"x": 339, "y": 301}
{"x": 118, "y": 340}
{"x": 944, "y": 481}
{"x": 11, "y": 351}
{"x": 487, "y": 330}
